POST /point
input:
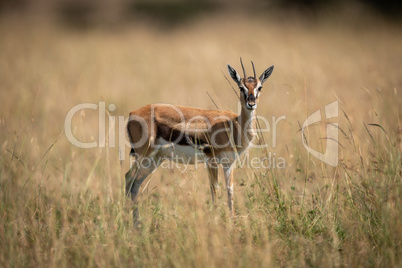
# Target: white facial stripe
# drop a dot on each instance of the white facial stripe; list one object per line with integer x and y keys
{"x": 256, "y": 91}
{"x": 244, "y": 88}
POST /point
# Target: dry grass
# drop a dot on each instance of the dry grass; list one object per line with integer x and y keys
{"x": 62, "y": 205}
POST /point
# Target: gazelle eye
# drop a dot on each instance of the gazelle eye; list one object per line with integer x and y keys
{"x": 241, "y": 89}
{"x": 259, "y": 89}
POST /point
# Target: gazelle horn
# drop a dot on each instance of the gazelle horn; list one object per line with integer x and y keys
{"x": 253, "y": 69}
{"x": 244, "y": 72}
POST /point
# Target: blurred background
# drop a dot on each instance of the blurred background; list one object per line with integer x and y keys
{"x": 56, "y": 54}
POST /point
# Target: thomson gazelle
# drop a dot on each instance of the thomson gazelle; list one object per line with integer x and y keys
{"x": 185, "y": 134}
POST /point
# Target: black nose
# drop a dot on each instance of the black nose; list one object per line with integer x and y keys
{"x": 251, "y": 100}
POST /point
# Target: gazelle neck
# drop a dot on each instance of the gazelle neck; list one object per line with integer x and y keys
{"x": 246, "y": 120}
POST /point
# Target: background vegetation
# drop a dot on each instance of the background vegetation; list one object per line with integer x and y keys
{"x": 64, "y": 206}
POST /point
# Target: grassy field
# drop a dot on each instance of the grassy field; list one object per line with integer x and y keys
{"x": 65, "y": 206}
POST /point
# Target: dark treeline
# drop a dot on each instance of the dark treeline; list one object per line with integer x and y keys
{"x": 174, "y": 12}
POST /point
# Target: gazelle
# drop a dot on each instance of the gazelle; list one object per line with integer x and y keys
{"x": 189, "y": 135}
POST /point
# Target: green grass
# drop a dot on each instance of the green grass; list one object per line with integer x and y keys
{"x": 352, "y": 220}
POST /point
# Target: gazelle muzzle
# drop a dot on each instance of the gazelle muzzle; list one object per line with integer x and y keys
{"x": 251, "y": 102}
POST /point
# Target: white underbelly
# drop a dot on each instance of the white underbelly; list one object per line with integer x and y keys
{"x": 179, "y": 153}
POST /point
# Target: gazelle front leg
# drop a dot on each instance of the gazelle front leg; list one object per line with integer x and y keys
{"x": 228, "y": 171}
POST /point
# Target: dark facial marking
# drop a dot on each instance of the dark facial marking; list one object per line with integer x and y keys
{"x": 251, "y": 98}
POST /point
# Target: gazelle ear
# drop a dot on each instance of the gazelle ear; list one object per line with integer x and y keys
{"x": 266, "y": 74}
{"x": 235, "y": 76}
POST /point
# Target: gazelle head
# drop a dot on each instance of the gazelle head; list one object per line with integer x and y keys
{"x": 250, "y": 87}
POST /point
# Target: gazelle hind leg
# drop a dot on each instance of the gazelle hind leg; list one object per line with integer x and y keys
{"x": 134, "y": 178}
{"x": 213, "y": 181}
{"x": 130, "y": 178}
